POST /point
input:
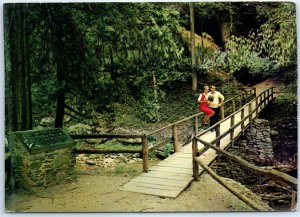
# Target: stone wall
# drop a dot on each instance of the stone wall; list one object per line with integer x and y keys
{"x": 259, "y": 143}
{"x": 41, "y": 169}
{"x": 255, "y": 146}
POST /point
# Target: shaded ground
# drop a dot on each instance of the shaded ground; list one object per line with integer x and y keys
{"x": 98, "y": 191}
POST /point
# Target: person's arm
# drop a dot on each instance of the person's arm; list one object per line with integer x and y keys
{"x": 199, "y": 99}
{"x": 222, "y": 99}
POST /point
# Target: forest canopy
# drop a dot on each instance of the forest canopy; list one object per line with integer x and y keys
{"x": 86, "y": 57}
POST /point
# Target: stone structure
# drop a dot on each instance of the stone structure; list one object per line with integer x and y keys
{"x": 259, "y": 142}
{"x": 42, "y": 158}
{"x": 256, "y": 144}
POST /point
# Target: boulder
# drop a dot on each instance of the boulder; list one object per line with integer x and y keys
{"x": 45, "y": 121}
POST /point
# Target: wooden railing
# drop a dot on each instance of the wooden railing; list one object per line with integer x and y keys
{"x": 195, "y": 122}
{"x": 241, "y": 99}
{"x": 105, "y": 136}
{"x": 175, "y": 136}
{"x": 259, "y": 103}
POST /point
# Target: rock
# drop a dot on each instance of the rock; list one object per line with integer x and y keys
{"x": 46, "y": 121}
{"x": 93, "y": 156}
{"x": 79, "y": 128}
{"x": 136, "y": 155}
{"x": 108, "y": 162}
{"x": 123, "y": 158}
{"x": 131, "y": 141}
{"x": 262, "y": 122}
{"x": 90, "y": 162}
{"x": 274, "y": 132}
{"x": 67, "y": 118}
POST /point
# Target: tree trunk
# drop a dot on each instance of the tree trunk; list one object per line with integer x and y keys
{"x": 155, "y": 87}
{"x": 19, "y": 86}
{"x": 60, "y": 58}
{"x": 192, "y": 38}
{"x": 60, "y": 100}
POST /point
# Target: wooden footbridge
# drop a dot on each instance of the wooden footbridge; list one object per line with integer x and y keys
{"x": 174, "y": 174}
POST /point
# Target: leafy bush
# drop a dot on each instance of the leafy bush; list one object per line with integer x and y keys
{"x": 120, "y": 169}
{"x": 165, "y": 151}
{"x": 239, "y": 54}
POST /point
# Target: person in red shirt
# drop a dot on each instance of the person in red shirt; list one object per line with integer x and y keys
{"x": 203, "y": 105}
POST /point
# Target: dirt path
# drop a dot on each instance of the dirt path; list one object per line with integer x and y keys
{"x": 100, "y": 193}
{"x": 264, "y": 85}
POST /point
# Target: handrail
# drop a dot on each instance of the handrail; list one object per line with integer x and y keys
{"x": 105, "y": 135}
{"x": 233, "y": 114}
{"x": 283, "y": 177}
{"x": 195, "y": 115}
{"x": 175, "y": 123}
{"x": 174, "y": 130}
{"x": 264, "y": 98}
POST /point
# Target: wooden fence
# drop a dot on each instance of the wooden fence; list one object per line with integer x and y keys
{"x": 260, "y": 102}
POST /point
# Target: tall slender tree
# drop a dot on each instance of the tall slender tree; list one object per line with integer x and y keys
{"x": 18, "y": 109}
{"x": 192, "y": 36}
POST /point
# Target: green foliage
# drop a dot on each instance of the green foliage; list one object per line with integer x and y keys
{"x": 115, "y": 145}
{"x": 239, "y": 54}
{"x": 215, "y": 10}
{"x": 165, "y": 151}
{"x": 125, "y": 170}
{"x": 149, "y": 109}
{"x": 271, "y": 46}
{"x": 277, "y": 35}
{"x": 132, "y": 171}
{"x": 119, "y": 169}
{"x": 107, "y": 54}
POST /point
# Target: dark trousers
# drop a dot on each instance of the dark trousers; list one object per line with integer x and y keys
{"x": 215, "y": 118}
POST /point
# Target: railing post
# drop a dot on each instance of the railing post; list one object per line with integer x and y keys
{"x": 145, "y": 154}
{"x": 196, "y": 126}
{"x": 245, "y": 99}
{"x": 250, "y": 114}
{"x": 217, "y": 135}
{"x": 294, "y": 200}
{"x": 261, "y": 102}
{"x": 242, "y": 117}
{"x": 240, "y": 100}
{"x": 175, "y": 139}
{"x": 233, "y": 105}
{"x": 254, "y": 92}
{"x": 256, "y": 106}
{"x": 265, "y": 99}
{"x": 272, "y": 93}
{"x": 231, "y": 125}
{"x": 195, "y": 164}
{"x": 222, "y": 112}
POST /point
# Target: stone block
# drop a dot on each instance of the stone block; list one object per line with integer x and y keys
{"x": 50, "y": 176}
{"x": 35, "y": 165}
{"x": 60, "y": 160}
{"x": 42, "y": 157}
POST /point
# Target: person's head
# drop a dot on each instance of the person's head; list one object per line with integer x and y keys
{"x": 212, "y": 88}
{"x": 206, "y": 89}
